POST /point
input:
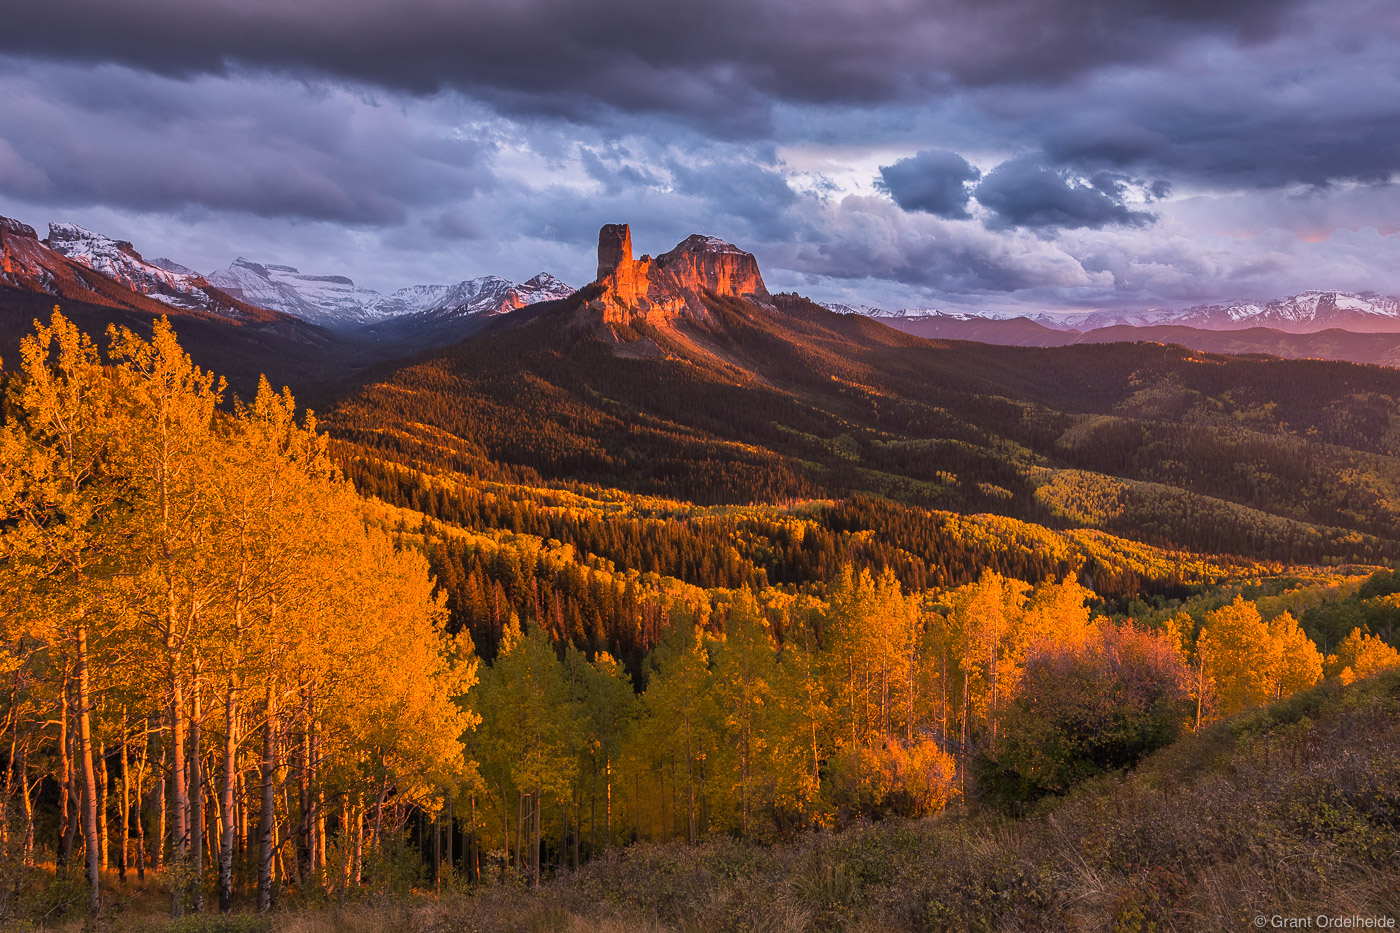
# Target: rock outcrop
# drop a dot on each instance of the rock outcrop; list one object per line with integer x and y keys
{"x": 673, "y": 284}
{"x": 24, "y": 261}
{"x": 12, "y": 227}
{"x": 119, "y": 261}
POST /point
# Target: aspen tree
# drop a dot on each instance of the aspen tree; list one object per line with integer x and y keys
{"x": 63, "y": 543}
{"x": 745, "y": 671}
{"x": 1361, "y": 654}
{"x": 987, "y": 615}
{"x": 681, "y": 714}
{"x": 171, "y": 439}
{"x": 1238, "y": 655}
{"x": 1298, "y": 662}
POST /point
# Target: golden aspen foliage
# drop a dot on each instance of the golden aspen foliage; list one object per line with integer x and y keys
{"x": 204, "y": 608}
{"x": 1359, "y": 655}
{"x": 64, "y": 523}
{"x": 1238, "y": 656}
{"x": 1298, "y": 663}
{"x": 679, "y": 733}
{"x": 1056, "y": 612}
{"x": 750, "y": 720}
{"x": 987, "y": 616}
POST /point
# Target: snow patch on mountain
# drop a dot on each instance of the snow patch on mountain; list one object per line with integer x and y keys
{"x": 336, "y": 301}
{"x": 1306, "y": 312}
{"x": 331, "y": 300}
{"x": 167, "y": 282}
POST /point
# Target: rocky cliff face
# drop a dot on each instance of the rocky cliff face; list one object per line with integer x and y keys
{"x": 21, "y": 255}
{"x": 658, "y": 290}
{"x": 119, "y": 261}
{"x": 77, "y": 265}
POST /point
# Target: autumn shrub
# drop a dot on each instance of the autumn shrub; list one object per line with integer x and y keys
{"x": 898, "y": 777}
{"x": 16, "y": 878}
{"x": 1083, "y": 710}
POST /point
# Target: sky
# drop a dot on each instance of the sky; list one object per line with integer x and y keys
{"x": 969, "y": 155}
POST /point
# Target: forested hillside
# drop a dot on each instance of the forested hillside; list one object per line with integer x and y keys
{"x": 564, "y": 590}
{"x": 1288, "y": 460}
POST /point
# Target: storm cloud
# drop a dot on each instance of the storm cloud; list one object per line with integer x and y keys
{"x": 1021, "y": 153}
{"x": 717, "y": 60}
{"x": 1023, "y": 193}
{"x": 934, "y": 181}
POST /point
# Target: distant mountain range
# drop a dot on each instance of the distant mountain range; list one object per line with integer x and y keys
{"x": 79, "y": 265}
{"x": 337, "y": 302}
{"x": 1304, "y": 313}
{"x": 332, "y": 301}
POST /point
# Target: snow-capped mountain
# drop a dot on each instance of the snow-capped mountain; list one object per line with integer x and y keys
{"x": 1304, "y": 313}
{"x": 1093, "y": 320}
{"x": 839, "y": 308}
{"x": 90, "y": 272}
{"x": 921, "y": 314}
{"x": 902, "y": 313}
{"x": 165, "y": 281}
{"x": 329, "y": 300}
{"x": 336, "y": 301}
{"x": 486, "y": 295}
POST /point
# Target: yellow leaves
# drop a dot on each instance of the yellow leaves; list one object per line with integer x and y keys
{"x": 1297, "y": 662}
{"x": 134, "y": 507}
{"x": 1249, "y": 663}
{"x": 1237, "y": 653}
{"x": 1057, "y": 613}
{"x": 1359, "y": 655}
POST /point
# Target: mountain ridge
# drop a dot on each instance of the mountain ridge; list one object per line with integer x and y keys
{"x": 336, "y": 301}
{"x": 783, "y": 400}
{"x": 1305, "y": 312}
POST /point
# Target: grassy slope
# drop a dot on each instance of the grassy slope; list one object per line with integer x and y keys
{"x": 1293, "y": 810}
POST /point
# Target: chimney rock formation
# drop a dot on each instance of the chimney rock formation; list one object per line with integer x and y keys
{"x": 657, "y": 290}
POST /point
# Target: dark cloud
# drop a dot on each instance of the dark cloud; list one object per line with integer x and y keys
{"x": 1023, "y": 193}
{"x": 1316, "y": 105}
{"x": 720, "y": 61}
{"x": 109, "y": 136}
{"x": 934, "y": 181}
{"x": 405, "y": 141}
{"x": 871, "y": 239}
{"x": 746, "y": 191}
{"x": 1244, "y": 142}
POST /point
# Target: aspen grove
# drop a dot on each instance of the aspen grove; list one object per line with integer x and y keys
{"x": 211, "y": 660}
